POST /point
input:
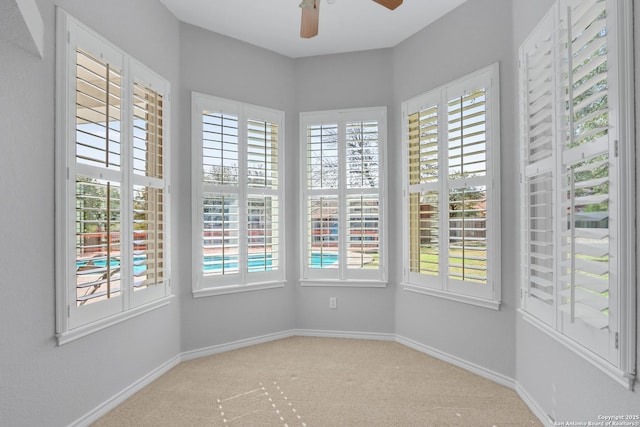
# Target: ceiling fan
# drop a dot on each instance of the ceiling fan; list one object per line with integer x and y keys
{"x": 311, "y": 15}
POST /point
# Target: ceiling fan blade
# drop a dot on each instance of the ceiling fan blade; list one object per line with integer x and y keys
{"x": 389, "y": 4}
{"x": 310, "y": 18}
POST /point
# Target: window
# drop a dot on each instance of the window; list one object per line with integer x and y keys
{"x": 343, "y": 197}
{"x": 238, "y": 196}
{"x": 113, "y": 201}
{"x": 577, "y": 181}
{"x": 451, "y": 195}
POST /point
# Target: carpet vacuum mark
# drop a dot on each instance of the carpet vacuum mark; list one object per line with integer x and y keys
{"x": 265, "y": 405}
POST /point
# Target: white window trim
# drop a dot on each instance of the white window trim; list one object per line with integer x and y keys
{"x": 624, "y": 374}
{"x": 331, "y": 277}
{"x": 69, "y": 326}
{"x": 439, "y": 286}
{"x": 243, "y": 281}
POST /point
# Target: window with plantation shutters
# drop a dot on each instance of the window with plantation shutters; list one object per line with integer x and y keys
{"x": 451, "y": 196}
{"x": 237, "y": 192}
{"x": 576, "y": 256}
{"x": 343, "y": 215}
{"x": 112, "y": 184}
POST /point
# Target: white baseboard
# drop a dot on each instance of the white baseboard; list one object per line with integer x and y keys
{"x": 533, "y": 406}
{"x": 221, "y": 348}
{"x": 123, "y": 395}
{"x": 461, "y": 363}
{"x": 323, "y": 333}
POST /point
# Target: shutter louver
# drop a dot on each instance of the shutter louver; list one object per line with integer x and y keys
{"x": 423, "y": 188}
{"x": 262, "y": 154}
{"x": 538, "y": 160}
{"x": 262, "y": 208}
{"x": 97, "y": 200}
{"x": 220, "y": 204}
{"x": 323, "y": 211}
{"x": 322, "y": 157}
{"x": 220, "y": 234}
{"x": 98, "y": 114}
{"x": 362, "y": 207}
{"x": 586, "y": 237}
{"x": 148, "y": 189}
{"x": 362, "y": 155}
{"x": 262, "y": 233}
{"x": 363, "y": 231}
{"x": 98, "y": 229}
{"x": 467, "y": 165}
{"x": 323, "y": 232}
{"x": 219, "y": 148}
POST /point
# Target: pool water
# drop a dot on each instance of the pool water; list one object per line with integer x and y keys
{"x": 256, "y": 262}
{"x": 215, "y": 263}
{"x": 320, "y": 260}
{"x": 99, "y": 263}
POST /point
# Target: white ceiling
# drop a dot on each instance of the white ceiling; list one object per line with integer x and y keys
{"x": 345, "y": 25}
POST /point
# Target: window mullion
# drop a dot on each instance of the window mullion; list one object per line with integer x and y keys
{"x": 443, "y": 192}
{"x": 243, "y": 199}
{"x": 342, "y": 199}
{"x": 126, "y": 138}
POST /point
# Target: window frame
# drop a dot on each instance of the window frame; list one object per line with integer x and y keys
{"x": 243, "y": 281}
{"x": 343, "y": 276}
{"x": 441, "y": 285}
{"x": 620, "y": 362}
{"x": 71, "y": 321}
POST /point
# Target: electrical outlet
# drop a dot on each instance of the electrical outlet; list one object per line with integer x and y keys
{"x": 333, "y": 302}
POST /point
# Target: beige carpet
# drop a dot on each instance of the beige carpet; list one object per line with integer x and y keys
{"x": 303, "y": 381}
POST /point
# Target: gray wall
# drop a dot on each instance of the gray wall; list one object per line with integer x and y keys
{"x": 221, "y": 66}
{"x": 452, "y": 47}
{"x": 360, "y": 79}
{"x": 566, "y": 387}
{"x": 41, "y": 383}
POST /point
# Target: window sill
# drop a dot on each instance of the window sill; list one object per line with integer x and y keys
{"x": 480, "y": 302}
{"x": 351, "y": 283}
{"x": 233, "y": 289}
{"x": 626, "y": 379}
{"x": 81, "y": 331}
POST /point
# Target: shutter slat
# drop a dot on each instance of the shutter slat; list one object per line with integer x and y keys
{"x": 593, "y": 283}
{"x": 590, "y": 316}
{"x": 589, "y": 299}
{"x": 592, "y": 267}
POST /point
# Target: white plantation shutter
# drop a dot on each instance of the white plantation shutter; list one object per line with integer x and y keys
{"x": 467, "y": 184}
{"x": 363, "y": 211}
{"x": 263, "y": 214}
{"x": 424, "y": 191}
{"x": 451, "y": 198}
{"x": 539, "y": 103}
{"x": 574, "y": 182}
{"x": 220, "y": 234}
{"x": 98, "y": 117}
{"x": 220, "y": 147}
{"x": 149, "y": 185}
{"x": 586, "y": 239}
{"x": 323, "y": 207}
{"x": 98, "y": 111}
{"x": 112, "y": 179}
{"x": 238, "y": 192}
{"x": 343, "y": 195}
